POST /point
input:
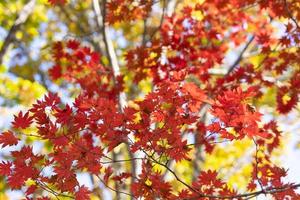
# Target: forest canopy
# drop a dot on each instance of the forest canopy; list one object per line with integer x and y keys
{"x": 149, "y": 99}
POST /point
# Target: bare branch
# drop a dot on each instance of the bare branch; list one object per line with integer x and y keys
{"x": 240, "y": 57}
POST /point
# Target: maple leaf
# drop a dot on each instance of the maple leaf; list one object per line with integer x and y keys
{"x": 15, "y": 181}
{"x": 177, "y": 59}
{"x": 285, "y": 41}
{"x": 108, "y": 172}
{"x": 63, "y": 115}
{"x": 121, "y": 176}
{"x": 31, "y": 189}
{"x": 5, "y": 168}
{"x": 82, "y": 193}
{"x": 251, "y": 186}
{"x": 55, "y": 72}
{"x": 263, "y": 38}
{"x": 43, "y": 198}
{"x": 158, "y": 116}
{"x": 197, "y": 94}
{"x": 57, "y": 2}
{"x": 51, "y": 99}
{"x": 60, "y": 141}
{"x": 73, "y": 44}
{"x": 8, "y": 139}
{"x": 238, "y": 118}
{"x": 22, "y": 121}
{"x": 208, "y": 177}
{"x": 286, "y": 99}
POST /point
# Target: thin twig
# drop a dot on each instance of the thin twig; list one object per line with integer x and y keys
{"x": 256, "y": 165}
{"x": 240, "y": 57}
{"x": 112, "y": 189}
{"x": 290, "y": 14}
{"x": 45, "y": 187}
{"x": 270, "y": 190}
{"x": 161, "y": 20}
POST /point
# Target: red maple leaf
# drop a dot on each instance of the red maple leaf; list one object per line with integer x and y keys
{"x": 263, "y": 38}
{"x": 108, "y": 172}
{"x": 16, "y": 180}
{"x": 286, "y": 106}
{"x": 57, "y": 2}
{"x": 22, "y": 121}
{"x": 192, "y": 104}
{"x": 63, "y": 115}
{"x": 55, "y": 72}
{"x": 121, "y": 177}
{"x": 251, "y": 186}
{"x": 31, "y": 189}
{"x": 8, "y": 139}
{"x": 52, "y": 99}
{"x": 5, "y": 168}
{"x": 43, "y": 198}
{"x": 82, "y": 194}
{"x": 73, "y": 44}
{"x": 208, "y": 177}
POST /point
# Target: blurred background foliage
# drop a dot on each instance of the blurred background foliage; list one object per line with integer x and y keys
{"x": 24, "y": 78}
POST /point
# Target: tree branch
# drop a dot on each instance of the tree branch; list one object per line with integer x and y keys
{"x": 240, "y": 57}
{"x": 21, "y": 19}
{"x": 113, "y": 60}
{"x": 161, "y": 20}
{"x": 111, "y": 54}
{"x": 290, "y": 14}
{"x": 112, "y": 189}
{"x": 270, "y": 190}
